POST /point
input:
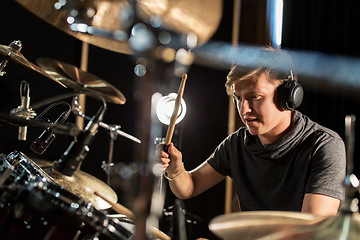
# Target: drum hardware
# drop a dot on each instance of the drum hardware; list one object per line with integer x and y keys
{"x": 179, "y": 220}
{"x": 113, "y": 136}
{"x": 80, "y": 80}
{"x": 114, "y": 130}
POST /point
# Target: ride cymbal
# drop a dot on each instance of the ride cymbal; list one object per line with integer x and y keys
{"x": 106, "y": 19}
{"x": 104, "y": 23}
{"x": 81, "y": 184}
{"x": 79, "y": 80}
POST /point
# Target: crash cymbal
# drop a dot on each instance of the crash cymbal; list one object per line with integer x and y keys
{"x": 12, "y": 53}
{"x": 81, "y": 184}
{"x": 257, "y": 224}
{"x": 79, "y": 80}
{"x": 105, "y": 21}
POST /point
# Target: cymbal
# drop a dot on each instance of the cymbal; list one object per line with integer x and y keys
{"x": 81, "y": 184}
{"x": 185, "y": 16}
{"x": 345, "y": 226}
{"x": 15, "y": 55}
{"x": 108, "y": 11}
{"x": 257, "y": 224}
{"x": 108, "y": 25}
{"x": 80, "y": 80}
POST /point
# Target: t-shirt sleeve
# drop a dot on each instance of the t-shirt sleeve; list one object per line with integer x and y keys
{"x": 220, "y": 158}
{"x": 328, "y": 169}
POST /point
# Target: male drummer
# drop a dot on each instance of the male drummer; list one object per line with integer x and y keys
{"x": 280, "y": 160}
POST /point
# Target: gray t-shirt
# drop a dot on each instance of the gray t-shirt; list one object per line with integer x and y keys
{"x": 308, "y": 159}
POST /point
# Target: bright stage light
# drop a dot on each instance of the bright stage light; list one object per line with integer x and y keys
{"x": 165, "y": 107}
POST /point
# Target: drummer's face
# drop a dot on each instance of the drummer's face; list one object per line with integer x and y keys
{"x": 258, "y": 110}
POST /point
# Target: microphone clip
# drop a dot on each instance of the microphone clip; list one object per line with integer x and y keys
{"x": 24, "y": 110}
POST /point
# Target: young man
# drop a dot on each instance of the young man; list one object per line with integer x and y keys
{"x": 280, "y": 160}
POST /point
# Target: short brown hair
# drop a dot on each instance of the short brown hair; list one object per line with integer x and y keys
{"x": 238, "y": 73}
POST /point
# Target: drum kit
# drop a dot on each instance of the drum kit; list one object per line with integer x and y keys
{"x": 40, "y": 199}
{"x": 40, "y": 203}
{"x": 43, "y": 200}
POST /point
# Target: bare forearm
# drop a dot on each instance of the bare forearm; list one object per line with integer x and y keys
{"x": 182, "y": 183}
{"x": 319, "y": 204}
{"x": 182, "y": 186}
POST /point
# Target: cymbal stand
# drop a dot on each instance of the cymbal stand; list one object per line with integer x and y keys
{"x": 351, "y": 182}
{"x": 76, "y": 108}
{"x": 113, "y": 136}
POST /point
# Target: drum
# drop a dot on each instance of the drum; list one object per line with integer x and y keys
{"x": 33, "y": 206}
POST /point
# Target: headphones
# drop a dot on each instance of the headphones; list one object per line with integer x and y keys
{"x": 290, "y": 94}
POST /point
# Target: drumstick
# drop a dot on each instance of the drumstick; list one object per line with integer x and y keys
{"x": 128, "y": 213}
{"x": 117, "y": 207}
{"x": 171, "y": 126}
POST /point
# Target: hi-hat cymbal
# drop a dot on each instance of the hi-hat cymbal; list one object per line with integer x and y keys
{"x": 13, "y": 55}
{"x": 105, "y": 21}
{"x": 80, "y": 80}
{"x": 81, "y": 184}
{"x": 258, "y": 224}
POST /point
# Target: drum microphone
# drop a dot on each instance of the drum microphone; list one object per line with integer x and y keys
{"x": 40, "y": 145}
{"x": 24, "y": 110}
{"x": 25, "y": 104}
{"x": 77, "y": 150}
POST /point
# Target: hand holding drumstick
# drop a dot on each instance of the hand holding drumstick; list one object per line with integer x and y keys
{"x": 173, "y": 118}
{"x": 175, "y": 166}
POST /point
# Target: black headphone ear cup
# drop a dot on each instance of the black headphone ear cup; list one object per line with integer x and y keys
{"x": 290, "y": 95}
{"x": 295, "y": 97}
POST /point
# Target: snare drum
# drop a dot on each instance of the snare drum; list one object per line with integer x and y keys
{"x": 33, "y": 206}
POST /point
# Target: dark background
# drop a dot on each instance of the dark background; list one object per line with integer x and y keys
{"x": 325, "y": 26}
